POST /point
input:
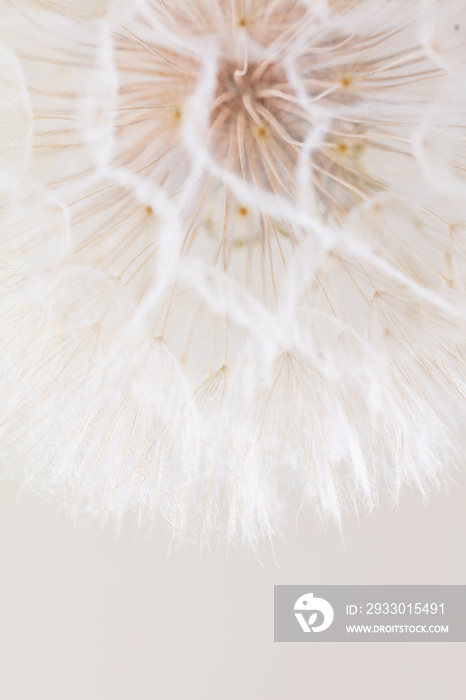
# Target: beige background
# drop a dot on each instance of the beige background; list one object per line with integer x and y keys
{"x": 92, "y": 618}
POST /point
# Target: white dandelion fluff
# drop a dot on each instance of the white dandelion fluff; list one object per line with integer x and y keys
{"x": 232, "y": 245}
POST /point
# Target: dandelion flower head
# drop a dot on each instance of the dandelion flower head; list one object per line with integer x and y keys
{"x": 233, "y": 253}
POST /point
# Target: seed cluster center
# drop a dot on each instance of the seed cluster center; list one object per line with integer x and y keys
{"x": 245, "y": 92}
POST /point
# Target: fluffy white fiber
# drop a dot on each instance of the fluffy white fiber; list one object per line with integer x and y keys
{"x": 232, "y": 255}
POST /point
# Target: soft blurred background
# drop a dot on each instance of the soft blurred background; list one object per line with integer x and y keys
{"x": 92, "y": 617}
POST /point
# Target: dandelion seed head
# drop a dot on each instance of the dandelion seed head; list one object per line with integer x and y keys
{"x": 232, "y": 250}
